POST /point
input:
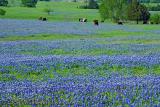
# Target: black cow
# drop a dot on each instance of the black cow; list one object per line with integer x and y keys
{"x": 120, "y": 23}
{"x": 42, "y": 18}
{"x": 145, "y": 22}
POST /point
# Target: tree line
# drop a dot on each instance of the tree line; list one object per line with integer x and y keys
{"x": 122, "y": 10}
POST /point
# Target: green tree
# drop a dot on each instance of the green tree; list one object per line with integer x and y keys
{"x": 138, "y": 12}
{"x": 113, "y": 9}
{"x": 3, "y": 2}
{"x": 29, "y": 3}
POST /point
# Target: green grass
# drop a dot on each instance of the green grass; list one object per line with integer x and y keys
{"x": 42, "y": 37}
{"x": 62, "y": 11}
{"x": 147, "y": 27}
{"x": 116, "y": 33}
{"x": 76, "y": 70}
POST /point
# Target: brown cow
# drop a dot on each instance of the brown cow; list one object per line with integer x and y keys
{"x": 96, "y": 22}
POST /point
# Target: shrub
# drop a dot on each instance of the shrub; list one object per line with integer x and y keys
{"x": 155, "y": 18}
{"x": 2, "y": 12}
{"x": 29, "y": 3}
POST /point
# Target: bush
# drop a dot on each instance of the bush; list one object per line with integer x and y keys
{"x": 29, "y": 3}
{"x": 155, "y": 18}
{"x": 3, "y": 2}
{"x": 2, "y": 12}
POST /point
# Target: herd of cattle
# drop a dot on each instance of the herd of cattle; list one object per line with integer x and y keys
{"x": 95, "y": 22}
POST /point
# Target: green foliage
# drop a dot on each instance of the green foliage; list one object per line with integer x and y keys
{"x": 3, "y": 2}
{"x": 91, "y": 4}
{"x": 44, "y": 0}
{"x": 138, "y": 12}
{"x": 154, "y": 8}
{"x": 63, "y": 11}
{"x": 29, "y": 3}
{"x": 155, "y": 18}
{"x": 2, "y": 12}
{"x": 149, "y": 1}
{"x": 114, "y": 9}
{"x": 12, "y": 3}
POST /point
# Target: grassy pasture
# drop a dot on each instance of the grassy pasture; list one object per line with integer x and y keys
{"x": 62, "y": 11}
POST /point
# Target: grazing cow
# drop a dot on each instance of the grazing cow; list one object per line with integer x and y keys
{"x": 82, "y": 20}
{"x": 96, "y": 22}
{"x": 42, "y": 18}
{"x": 120, "y": 23}
{"x": 145, "y": 22}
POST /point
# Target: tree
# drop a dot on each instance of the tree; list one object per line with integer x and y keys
{"x": 138, "y": 12}
{"x": 29, "y": 3}
{"x": 3, "y": 2}
{"x": 114, "y": 9}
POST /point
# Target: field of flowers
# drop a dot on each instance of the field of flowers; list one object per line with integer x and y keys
{"x": 115, "y": 71}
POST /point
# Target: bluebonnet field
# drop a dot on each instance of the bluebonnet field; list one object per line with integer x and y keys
{"x": 25, "y": 27}
{"x": 121, "y": 70}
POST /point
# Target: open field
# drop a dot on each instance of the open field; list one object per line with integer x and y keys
{"x": 62, "y": 11}
{"x": 63, "y": 63}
